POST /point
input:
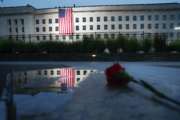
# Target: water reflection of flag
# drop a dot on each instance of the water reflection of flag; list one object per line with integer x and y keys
{"x": 67, "y": 76}
{"x": 65, "y": 21}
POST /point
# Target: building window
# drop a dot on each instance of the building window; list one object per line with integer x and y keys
{"x": 78, "y": 79}
{"x": 45, "y": 72}
{"x": 164, "y": 26}
{"x": 50, "y": 37}
{"x": 37, "y": 29}
{"x": 22, "y": 29}
{"x": 98, "y": 19}
{"x": 9, "y": 22}
{"x": 22, "y": 21}
{"x": 105, "y": 27}
{"x": 120, "y": 26}
{"x": 172, "y": 17}
{"x": 57, "y": 37}
{"x": 77, "y": 27}
{"x": 57, "y": 28}
{"x": 98, "y": 27}
{"x": 105, "y": 18}
{"x": 77, "y": 20}
{"x": 37, "y": 37}
{"x": 142, "y": 26}
{"x": 134, "y": 18}
{"x": 37, "y": 21}
{"x": 171, "y": 26}
{"x": 44, "y": 29}
{"x": 16, "y": 29}
{"x": 64, "y": 37}
{"x": 77, "y": 36}
{"x": 156, "y": 17}
{"x": 164, "y": 17}
{"x": 156, "y": 26}
{"x": 91, "y": 19}
{"x": 91, "y": 27}
{"x": 112, "y": 27}
{"x": 23, "y": 37}
{"x": 58, "y": 72}
{"x": 127, "y": 26}
{"x": 127, "y": 18}
{"x": 84, "y": 19}
{"x": 113, "y": 36}
{"x": 78, "y": 72}
{"x": 134, "y": 26}
{"x": 43, "y": 21}
{"x": 84, "y": 27}
{"x": 149, "y": 26}
{"x": 149, "y": 17}
{"x": 50, "y": 21}
{"x": 56, "y": 20}
{"x": 112, "y": 18}
{"x": 52, "y": 72}
{"x": 44, "y": 37}
{"x": 15, "y": 22}
{"x": 50, "y": 29}
{"x": 120, "y": 18}
{"x": 142, "y": 17}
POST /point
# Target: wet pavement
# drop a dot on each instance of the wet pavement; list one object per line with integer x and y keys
{"x": 93, "y": 100}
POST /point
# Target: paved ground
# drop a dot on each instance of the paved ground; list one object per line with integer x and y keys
{"x": 92, "y": 100}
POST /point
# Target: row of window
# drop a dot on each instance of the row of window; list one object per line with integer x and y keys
{"x": 44, "y": 29}
{"x": 52, "y": 72}
{"x": 16, "y": 21}
{"x": 113, "y": 27}
{"x": 127, "y": 26}
{"x": 128, "y": 18}
{"x": 17, "y": 30}
{"x": 50, "y": 21}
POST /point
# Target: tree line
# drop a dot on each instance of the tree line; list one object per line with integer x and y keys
{"x": 92, "y": 45}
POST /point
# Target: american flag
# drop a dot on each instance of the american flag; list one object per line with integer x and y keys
{"x": 67, "y": 76}
{"x": 65, "y": 21}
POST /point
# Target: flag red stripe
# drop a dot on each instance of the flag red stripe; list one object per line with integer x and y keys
{"x": 65, "y": 22}
{"x": 67, "y": 76}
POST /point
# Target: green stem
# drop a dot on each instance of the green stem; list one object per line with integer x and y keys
{"x": 155, "y": 91}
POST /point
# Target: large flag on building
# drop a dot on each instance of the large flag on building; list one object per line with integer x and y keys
{"x": 65, "y": 21}
{"x": 67, "y": 77}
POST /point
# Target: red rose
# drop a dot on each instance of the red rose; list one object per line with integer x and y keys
{"x": 116, "y": 75}
{"x": 114, "y": 69}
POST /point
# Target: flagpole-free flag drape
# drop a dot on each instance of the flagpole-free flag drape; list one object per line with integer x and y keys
{"x": 65, "y": 21}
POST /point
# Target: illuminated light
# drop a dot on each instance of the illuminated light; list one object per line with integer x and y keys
{"x": 93, "y": 55}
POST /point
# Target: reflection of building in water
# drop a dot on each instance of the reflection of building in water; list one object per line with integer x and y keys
{"x": 51, "y": 77}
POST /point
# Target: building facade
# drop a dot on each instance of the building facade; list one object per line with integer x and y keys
{"x": 101, "y": 21}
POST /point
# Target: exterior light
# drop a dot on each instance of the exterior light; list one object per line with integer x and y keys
{"x": 93, "y": 55}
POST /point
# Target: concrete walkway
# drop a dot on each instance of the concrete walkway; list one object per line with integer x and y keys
{"x": 93, "y": 100}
